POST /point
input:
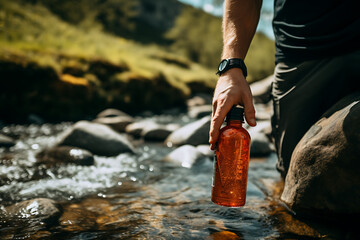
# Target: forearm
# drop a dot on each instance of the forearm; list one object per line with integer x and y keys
{"x": 239, "y": 25}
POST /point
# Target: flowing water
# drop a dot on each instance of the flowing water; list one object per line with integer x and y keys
{"x": 137, "y": 196}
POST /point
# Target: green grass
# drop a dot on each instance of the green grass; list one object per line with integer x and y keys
{"x": 118, "y": 72}
{"x": 36, "y": 32}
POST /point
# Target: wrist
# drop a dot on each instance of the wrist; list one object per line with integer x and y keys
{"x": 230, "y": 63}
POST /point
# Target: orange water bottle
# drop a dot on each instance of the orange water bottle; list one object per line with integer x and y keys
{"x": 231, "y": 162}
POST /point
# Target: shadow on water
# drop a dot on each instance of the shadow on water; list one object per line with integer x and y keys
{"x": 138, "y": 197}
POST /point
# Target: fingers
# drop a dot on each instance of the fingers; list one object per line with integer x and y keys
{"x": 249, "y": 110}
{"x": 221, "y": 107}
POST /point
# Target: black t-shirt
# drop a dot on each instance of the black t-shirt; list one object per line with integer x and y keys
{"x": 311, "y": 29}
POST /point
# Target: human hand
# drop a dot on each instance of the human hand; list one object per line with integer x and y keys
{"x": 231, "y": 89}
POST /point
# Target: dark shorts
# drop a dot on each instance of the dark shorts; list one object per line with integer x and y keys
{"x": 303, "y": 92}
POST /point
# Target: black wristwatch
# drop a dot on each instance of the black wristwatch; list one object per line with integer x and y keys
{"x": 229, "y": 63}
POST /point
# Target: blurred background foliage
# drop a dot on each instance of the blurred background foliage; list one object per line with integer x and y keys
{"x": 93, "y": 54}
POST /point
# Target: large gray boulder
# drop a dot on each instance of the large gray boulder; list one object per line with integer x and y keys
{"x": 38, "y": 209}
{"x": 194, "y": 133}
{"x": 97, "y": 138}
{"x": 324, "y": 177}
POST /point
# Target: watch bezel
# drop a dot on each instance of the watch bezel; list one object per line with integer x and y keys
{"x": 223, "y": 65}
{"x": 228, "y": 63}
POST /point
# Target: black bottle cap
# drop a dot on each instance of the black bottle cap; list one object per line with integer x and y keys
{"x": 235, "y": 113}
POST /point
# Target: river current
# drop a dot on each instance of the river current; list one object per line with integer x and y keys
{"x": 138, "y": 196}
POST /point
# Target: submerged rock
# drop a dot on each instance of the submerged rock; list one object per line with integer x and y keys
{"x": 6, "y": 141}
{"x": 194, "y": 133}
{"x": 97, "y": 138}
{"x": 185, "y": 156}
{"x": 323, "y": 177}
{"x": 112, "y": 112}
{"x": 65, "y": 154}
{"x": 118, "y": 123}
{"x": 41, "y": 209}
{"x": 77, "y": 218}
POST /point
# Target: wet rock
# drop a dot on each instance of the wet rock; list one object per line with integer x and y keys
{"x": 185, "y": 156}
{"x": 198, "y": 100}
{"x": 77, "y": 218}
{"x": 200, "y": 111}
{"x": 260, "y": 145}
{"x": 65, "y": 154}
{"x": 194, "y": 133}
{"x": 261, "y": 90}
{"x": 155, "y": 132}
{"x": 118, "y": 123}
{"x": 40, "y": 209}
{"x": 136, "y": 128}
{"x": 223, "y": 235}
{"x": 173, "y": 126}
{"x": 97, "y": 138}
{"x": 205, "y": 150}
{"x": 323, "y": 177}
{"x": 261, "y": 127}
{"x": 112, "y": 112}
{"x": 6, "y": 141}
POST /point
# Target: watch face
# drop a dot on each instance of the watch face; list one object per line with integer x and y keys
{"x": 223, "y": 64}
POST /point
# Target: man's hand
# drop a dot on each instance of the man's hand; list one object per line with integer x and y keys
{"x": 231, "y": 89}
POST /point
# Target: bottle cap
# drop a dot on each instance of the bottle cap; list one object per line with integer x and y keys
{"x": 235, "y": 113}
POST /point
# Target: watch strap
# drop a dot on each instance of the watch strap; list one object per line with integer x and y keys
{"x": 234, "y": 63}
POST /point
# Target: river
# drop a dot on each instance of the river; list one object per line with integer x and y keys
{"x": 138, "y": 196}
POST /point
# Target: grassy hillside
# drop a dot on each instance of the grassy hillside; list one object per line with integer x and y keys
{"x": 67, "y": 67}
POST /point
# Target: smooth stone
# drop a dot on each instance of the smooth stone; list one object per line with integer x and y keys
{"x": 194, "y": 133}
{"x": 199, "y": 100}
{"x": 155, "y": 132}
{"x": 260, "y": 145}
{"x": 6, "y": 141}
{"x": 118, "y": 123}
{"x": 205, "y": 150}
{"x": 97, "y": 138}
{"x": 200, "y": 111}
{"x": 261, "y": 90}
{"x": 40, "y": 209}
{"x": 184, "y": 156}
{"x": 135, "y": 129}
{"x": 173, "y": 126}
{"x": 65, "y": 154}
{"x": 112, "y": 112}
{"x": 323, "y": 177}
